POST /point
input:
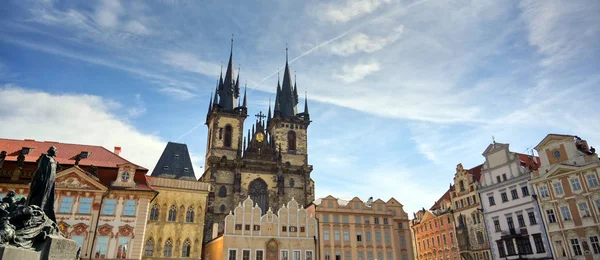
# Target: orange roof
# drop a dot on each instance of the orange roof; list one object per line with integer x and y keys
{"x": 476, "y": 172}
{"x": 98, "y": 155}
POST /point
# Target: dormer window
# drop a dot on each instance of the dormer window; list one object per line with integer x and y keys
{"x": 177, "y": 156}
{"x": 166, "y": 168}
{"x": 125, "y": 176}
{"x": 186, "y": 170}
{"x": 84, "y": 155}
{"x": 25, "y": 150}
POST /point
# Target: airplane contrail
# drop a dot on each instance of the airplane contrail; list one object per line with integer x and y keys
{"x": 391, "y": 12}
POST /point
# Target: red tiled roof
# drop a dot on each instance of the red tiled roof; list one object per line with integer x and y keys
{"x": 106, "y": 161}
{"x": 446, "y": 196}
{"x": 529, "y": 161}
{"x": 476, "y": 172}
{"x": 99, "y": 156}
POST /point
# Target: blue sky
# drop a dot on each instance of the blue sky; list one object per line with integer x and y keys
{"x": 399, "y": 91}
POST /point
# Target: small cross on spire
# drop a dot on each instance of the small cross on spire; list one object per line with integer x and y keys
{"x": 260, "y": 115}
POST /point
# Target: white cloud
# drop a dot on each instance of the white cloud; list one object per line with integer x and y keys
{"x": 357, "y": 72}
{"x": 361, "y": 42}
{"x": 178, "y": 93}
{"x": 139, "y": 108}
{"x": 137, "y": 27}
{"x": 107, "y": 14}
{"x": 352, "y": 9}
{"x": 74, "y": 118}
{"x": 189, "y": 62}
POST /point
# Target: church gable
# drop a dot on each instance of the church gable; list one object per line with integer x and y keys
{"x": 76, "y": 178}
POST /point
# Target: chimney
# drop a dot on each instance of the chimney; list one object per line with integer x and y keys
{"x": 117, "y": 150}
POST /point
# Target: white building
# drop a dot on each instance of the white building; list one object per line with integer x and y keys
{"x": 512, "y": 217}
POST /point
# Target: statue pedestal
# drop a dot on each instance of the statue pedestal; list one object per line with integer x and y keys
{"x": 54, "y": 248}
{"x": 58, "y": 248}
{"x": 11, "y": 252}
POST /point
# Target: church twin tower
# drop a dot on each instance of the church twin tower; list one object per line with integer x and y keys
{"x": 269, "y": 164}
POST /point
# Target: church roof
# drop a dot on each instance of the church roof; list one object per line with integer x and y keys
{"x": 174, "y": 163}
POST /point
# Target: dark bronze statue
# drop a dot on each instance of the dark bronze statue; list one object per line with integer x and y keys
{"x": 25, "y": 222}
{"x": 41, "y": 192}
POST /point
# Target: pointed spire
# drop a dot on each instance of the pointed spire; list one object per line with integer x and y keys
{"x": 287, "y": 100}
{"x": 253, "y": 132}
{"x": 249, "y": 137}
{"x": 210, "y": 103}
{"x": 269, "y": 114}
{"x": 295, "y": 89}
{"x": 215, "y": 100}
{"x": 244, "y": 143}
{"x": 237, "y": 83}
{"x": 277, "y": 94}
{"x": 245, "y": 104}
{"x": 228, "y": 93}
{"x": 306, "y": 114}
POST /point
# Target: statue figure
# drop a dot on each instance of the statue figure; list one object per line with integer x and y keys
{"x": 280, "y": 184}
{"x": 42, "y": 186}
{"x": 2, "y": 157}
{"x": 20, "y": 160}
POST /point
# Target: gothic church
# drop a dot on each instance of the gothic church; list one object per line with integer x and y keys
{"x": 269, "y": 164}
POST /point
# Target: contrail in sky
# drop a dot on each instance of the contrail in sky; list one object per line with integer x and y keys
{"x": 393, "y": 11}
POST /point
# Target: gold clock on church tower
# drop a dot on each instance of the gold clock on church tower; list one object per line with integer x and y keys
{"x": 260, "y": 137}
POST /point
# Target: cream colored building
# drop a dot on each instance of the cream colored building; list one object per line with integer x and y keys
{"x": 248, "y": 234}
{"x": 363, "y": 231}
{"x": 176, "y": 219}
{"x": 567, "y": 184}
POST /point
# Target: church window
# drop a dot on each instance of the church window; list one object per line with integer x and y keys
{"x": 168, "y": 250}
{"x": 189, "y": 216}
{"x": 223, "y": 192}
{"x": 222, "y": 208}
{"x": 154, "y": 213}
{"x": 259, "y": 194}
{"x": 291, "y": 140}
{"x": 129, "y": 208}
{"x": 149, "y": 247}
{"x": 228, "y": 133}
{"x": 220, "y": 133}
{"x": 186, "y": 248}
{"x": 292, "y": 182}
{"x": 172, "y": 213}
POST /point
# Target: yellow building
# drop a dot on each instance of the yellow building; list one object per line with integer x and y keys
{"x": 568, "y": 191}
{"x": 364, "y": 231}
{"x": 248, "y": 234}
{"x": 176, "y": 216}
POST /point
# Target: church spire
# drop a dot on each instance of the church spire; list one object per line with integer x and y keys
{"x": 295, "y": 90}
{"x": 306, "y": 114}
{"x": 277, "y": 94}
{"x": 237, "y": 83}
{"x": 245, "y": 104}
{"x": 210, "y": 103}
{"x": 215, "y": 100}
{"x": 287, "y": 101}
{"x": 228, "y": 94}
{"x": 269, "y": 114}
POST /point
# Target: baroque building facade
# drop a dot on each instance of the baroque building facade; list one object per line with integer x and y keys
{"x": 470, "y": 229}
{"x": 434, "y": 231}
{"x": 101, "y": 199}
{"x": 569, "y": 193}
{"x": 289, "y": 234}
{"x": 511, "y": 213}
{"x": 353, "y": 229}
{"x": 176, "y": 217}
{"x": 269, "y": 164}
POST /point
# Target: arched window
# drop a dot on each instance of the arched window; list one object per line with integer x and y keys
{"x": 222, "y": 208}
{"x": 189, "y": 216}
{"x": 149, "y": 248}
{"x": 186, "y": 248}
{"x": 154, "y": 213}
{"x": 168, "y": 250}
{"x": 292, "y": 182}
{"x": 228, "y": 132}
{"x": 172, "y": 213}
{"x": 291, "y": 140}
{"x": 462, "y": 186}
{"x": 259, "y": 194}
{"x": 223, "y": 192}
